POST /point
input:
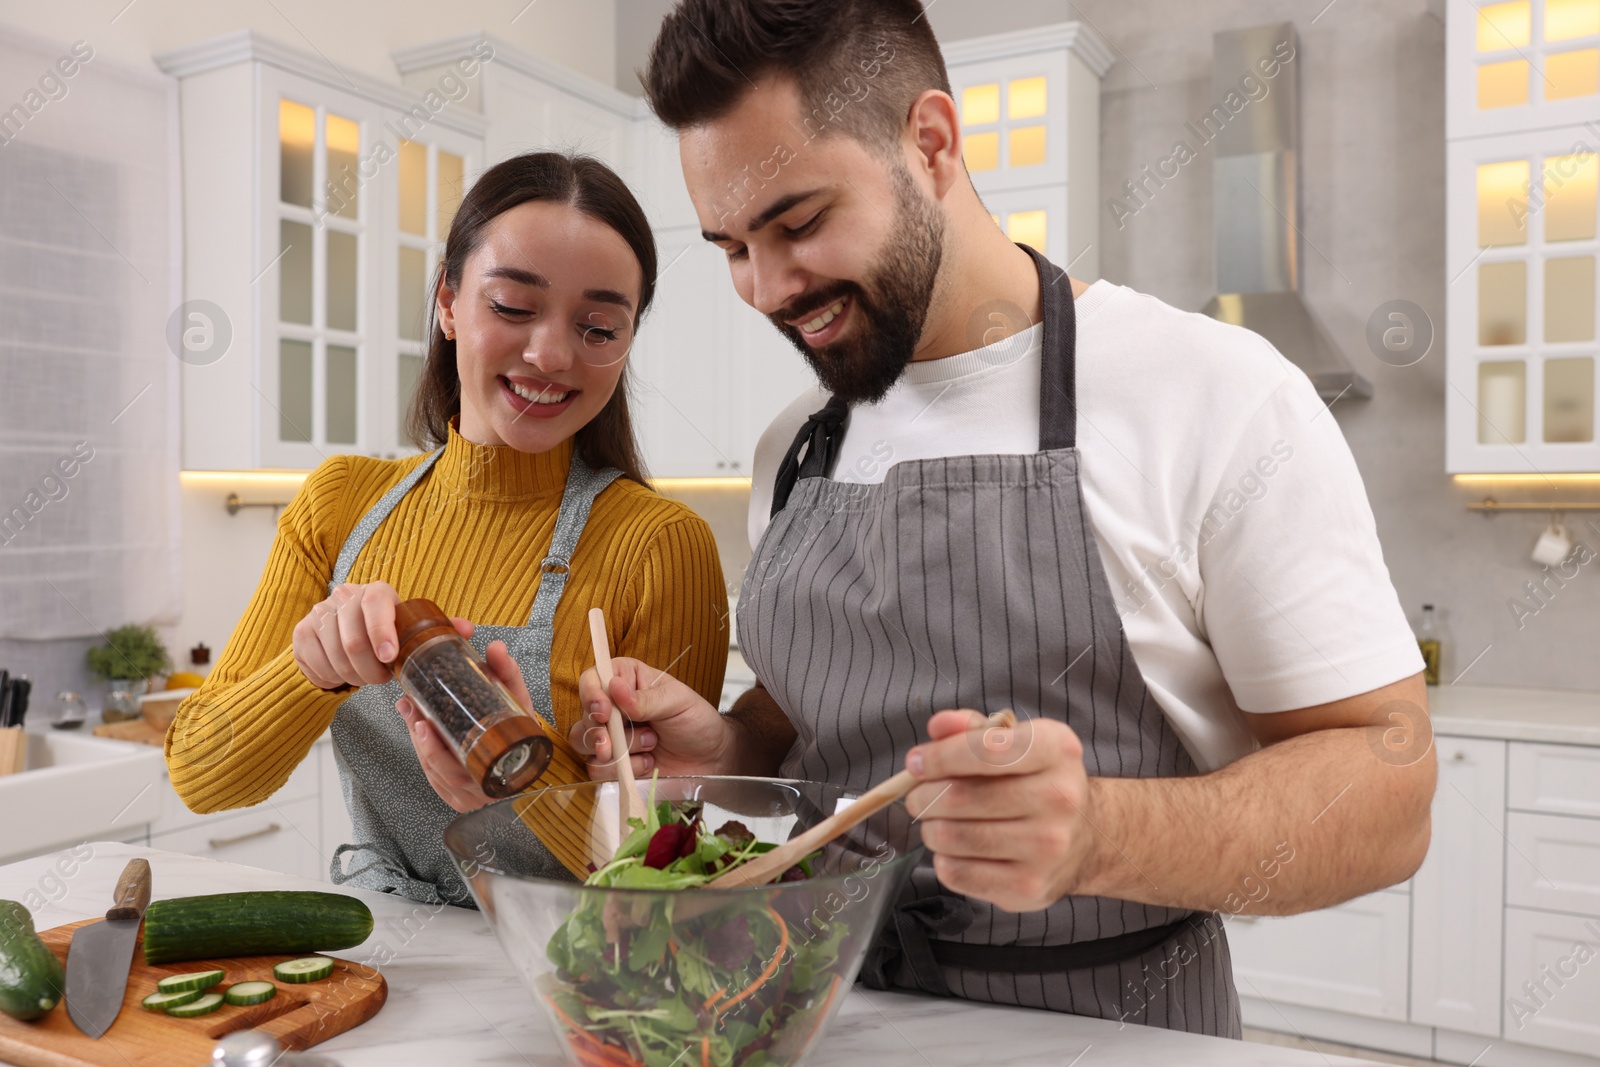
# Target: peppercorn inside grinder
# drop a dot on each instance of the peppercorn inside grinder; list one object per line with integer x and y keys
{"x": 503, "y": 747}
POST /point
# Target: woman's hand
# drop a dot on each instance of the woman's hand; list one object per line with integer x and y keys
{"x": 349, "y": 638}
{"x": 684, "y": 735}
{"x": 444, "y": 771}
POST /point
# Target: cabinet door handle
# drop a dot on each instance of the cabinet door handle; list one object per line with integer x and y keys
{"x": 1459, "y": 757}
{"x": 224, "y": 842}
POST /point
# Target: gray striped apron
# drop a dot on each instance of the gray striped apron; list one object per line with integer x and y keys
{"x": 397, "y": 818}
{"x": 975, "y": 582}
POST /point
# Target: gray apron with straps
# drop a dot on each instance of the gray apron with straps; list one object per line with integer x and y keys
{"x": 397, "y": 817}
{"x": 975, "y": 582}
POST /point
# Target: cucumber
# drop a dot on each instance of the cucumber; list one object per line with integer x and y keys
{"x": 199, "y": 981}
{"x": 31, "y": 978}
{"x": 306, "y": 969}
{"x": 250, "y": 992}
{"x": 263, "y": 923}
{"x": 164, "y": 1001}
{"x": 204, "y": 1006}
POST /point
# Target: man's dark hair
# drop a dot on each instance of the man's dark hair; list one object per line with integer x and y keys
{"x": 858, "y": 64}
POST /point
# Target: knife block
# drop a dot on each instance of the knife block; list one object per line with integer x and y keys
{"x": 13, "y": 750}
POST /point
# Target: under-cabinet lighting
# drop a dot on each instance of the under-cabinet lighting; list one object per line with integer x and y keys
{"x": 1573, "y": 481}
{"x": 254, "y": 477}
{"x": 741, "y": 484}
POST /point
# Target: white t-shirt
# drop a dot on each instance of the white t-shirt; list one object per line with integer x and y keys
{"x": 1230, "y": 517}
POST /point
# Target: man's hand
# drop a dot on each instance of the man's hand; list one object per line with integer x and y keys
{"x": 1006, "y": 812}
{"x": 685, "y": 735}
{"x": 444, "y": 770}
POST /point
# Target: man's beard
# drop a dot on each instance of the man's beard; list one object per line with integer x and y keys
{"x": 893, "y": 305}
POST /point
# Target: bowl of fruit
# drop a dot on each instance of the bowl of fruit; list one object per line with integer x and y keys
{"x": 637, "y": 959}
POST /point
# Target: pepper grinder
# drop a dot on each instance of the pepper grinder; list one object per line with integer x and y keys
{"x": 503, "y": 747}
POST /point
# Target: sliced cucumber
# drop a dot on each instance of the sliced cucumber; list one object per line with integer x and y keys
{"x": 204, "y": 1006}
{"x": 250, "y": 992}
{"x": 306, "y": 969}
{"x": 163, "y": 1001}
{"x": 182, "y": 983}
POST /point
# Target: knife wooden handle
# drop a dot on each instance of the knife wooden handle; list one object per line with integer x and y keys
{"x": 133, "y": 891}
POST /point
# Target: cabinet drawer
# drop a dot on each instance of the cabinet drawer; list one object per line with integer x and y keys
{"x": 1552, "y": 981}
{"x": 1351, "y": 958}
{"x": 1553, "y": 862}
{"x": 1557, "y": 779}
{"x": 273, "y": 836}
{"x": 302, "y": 785}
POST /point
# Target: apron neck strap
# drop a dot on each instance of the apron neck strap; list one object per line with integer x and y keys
{"x": 374, "y": 518}
{"x": 584, "y": 483}
{"x": 1058, "y": 386}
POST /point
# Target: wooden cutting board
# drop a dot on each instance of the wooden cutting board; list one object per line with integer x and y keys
{"x": 299, "y": 1016}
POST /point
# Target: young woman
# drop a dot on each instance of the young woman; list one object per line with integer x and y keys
{"x": 532, "y": 483}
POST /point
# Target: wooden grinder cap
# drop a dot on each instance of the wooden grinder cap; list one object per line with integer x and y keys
{"x": 416, "y": 621}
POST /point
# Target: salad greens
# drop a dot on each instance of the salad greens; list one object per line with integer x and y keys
{"x": 742, "y": 985}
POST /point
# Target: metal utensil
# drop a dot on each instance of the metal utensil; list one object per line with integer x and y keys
{"x": 98, "y": 960}
{"x": 257, "y": 1048}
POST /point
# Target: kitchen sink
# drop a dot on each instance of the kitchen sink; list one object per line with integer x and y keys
{"x": 77, "y": 788}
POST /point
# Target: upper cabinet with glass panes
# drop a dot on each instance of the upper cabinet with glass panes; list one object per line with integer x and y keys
{"x": 1523, "y": 217}
{"x": 1522, "y": 65}
{"x": 348, "y": 185}
{"x": 1029, "y": 105}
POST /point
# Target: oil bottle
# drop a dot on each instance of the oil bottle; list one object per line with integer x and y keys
{"x": 1428, "y": 642}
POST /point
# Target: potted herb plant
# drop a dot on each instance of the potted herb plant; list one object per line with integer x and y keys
{"x": 131, "y": 654}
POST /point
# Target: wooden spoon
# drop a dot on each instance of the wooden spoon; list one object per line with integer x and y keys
{"x": 769, "y": 865}
{"x": 629, "y": 805}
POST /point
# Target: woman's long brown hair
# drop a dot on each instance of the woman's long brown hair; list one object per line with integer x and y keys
{"x": 589, "y": 186}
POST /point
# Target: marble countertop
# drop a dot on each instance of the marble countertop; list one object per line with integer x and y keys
{"x": 454, "y": 997}
{"x": 1555, "y": 716}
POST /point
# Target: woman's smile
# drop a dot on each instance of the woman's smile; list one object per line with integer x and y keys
{"x": 536, "y": 397}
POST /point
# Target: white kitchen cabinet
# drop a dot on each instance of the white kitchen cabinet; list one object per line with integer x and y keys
{"x": 300, "y": 286}
{"x": 1556, "y": 779}
{"x": 1528, "y": 64}
{"x": 1510, "y": 887}
{"x": 1455, "y": 931}
{"x": 1350, "y": 958}
{"x": 295, "y": 830}
{"x": 336, "y": 828}
{"x": 175, "y": 815}
{"x": 1552, "y": 981}
{"x": 1522, "y": 195}
{"x": 274, "y": 835}
{"x": 1553, "y": 862}
{"x": 711, "y": 372}
{"x": 528, "y": 103}
{"x": 1030, "y": 122}
{"x": 683, "y": 392}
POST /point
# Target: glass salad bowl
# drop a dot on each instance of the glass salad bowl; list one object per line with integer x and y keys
{"x": 650, "y": 970}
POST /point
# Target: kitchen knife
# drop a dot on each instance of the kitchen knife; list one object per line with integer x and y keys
{"x": 20, "y": 689}
{"x": 98, "y": 960}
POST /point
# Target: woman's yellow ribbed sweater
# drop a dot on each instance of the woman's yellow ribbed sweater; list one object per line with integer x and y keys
{"x": 470, "y": 536}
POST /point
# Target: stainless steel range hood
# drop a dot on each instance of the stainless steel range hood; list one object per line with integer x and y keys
{"x": 1256, "y": 186}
